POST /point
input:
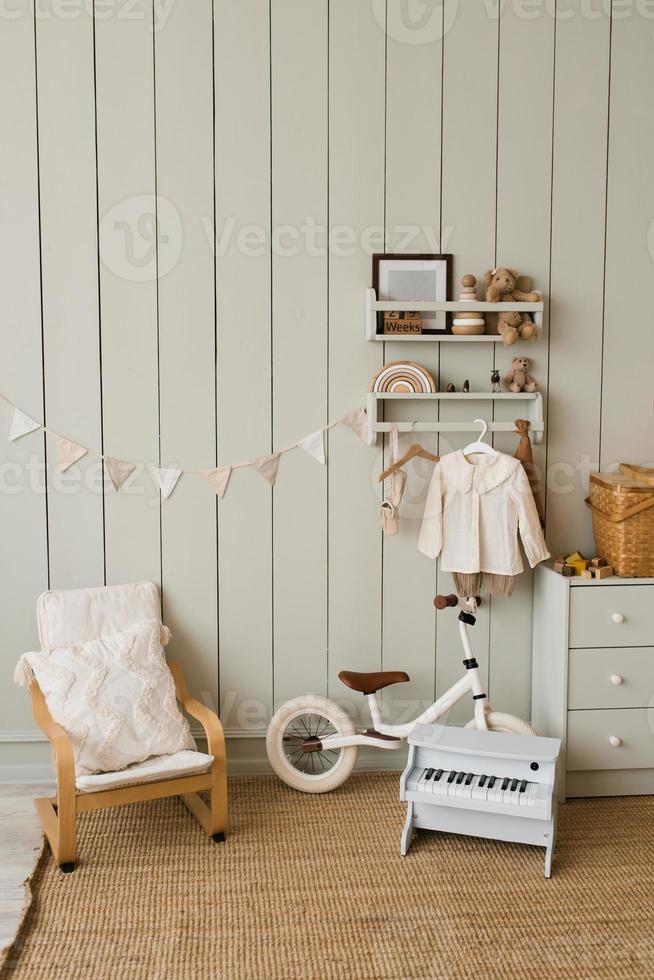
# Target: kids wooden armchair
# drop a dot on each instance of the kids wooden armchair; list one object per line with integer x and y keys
{"x": 73, "y": 617}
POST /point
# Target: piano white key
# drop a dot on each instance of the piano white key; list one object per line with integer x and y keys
{"x": 478, "y": 791}
{"x": 441, "y": 787}
{"x": 423, "y": 779}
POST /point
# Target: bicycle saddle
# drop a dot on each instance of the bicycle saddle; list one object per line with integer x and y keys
{"x": 374, "y": 681}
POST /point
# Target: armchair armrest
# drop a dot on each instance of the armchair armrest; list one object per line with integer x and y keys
{"x": 62, "y": 747}
{"x": 207, "y": 718}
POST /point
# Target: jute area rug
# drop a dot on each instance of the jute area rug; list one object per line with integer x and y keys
{"x": 314, "y": 887}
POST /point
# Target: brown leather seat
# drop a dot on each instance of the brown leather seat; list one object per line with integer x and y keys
{"x": 374, "y": 681}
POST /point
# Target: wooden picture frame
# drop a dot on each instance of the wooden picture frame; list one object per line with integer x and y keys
{"x": 442, "y": 272}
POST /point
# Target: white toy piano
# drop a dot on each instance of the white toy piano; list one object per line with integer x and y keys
{"x": 483, "y": 784}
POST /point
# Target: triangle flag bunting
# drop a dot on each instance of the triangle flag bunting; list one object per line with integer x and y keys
{"x": 166, "y": 479}
{"x": 119, "y": 471}
{"x": 314, "y": 445}
{"x": 357, "y": 421}
{"x": 268, "y": 466}
{"x": 21, "y": 424}
{"x": 218, "y": 479}
{"x": 68, "y": 452}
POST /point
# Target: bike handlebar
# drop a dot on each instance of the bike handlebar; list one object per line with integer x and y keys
{"x": 443, "y": 601}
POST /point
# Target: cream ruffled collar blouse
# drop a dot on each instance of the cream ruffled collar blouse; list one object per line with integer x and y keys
{"x": 475, "y": 507}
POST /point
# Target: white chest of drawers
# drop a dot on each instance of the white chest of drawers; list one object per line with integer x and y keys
{"x": 593, "y": 680}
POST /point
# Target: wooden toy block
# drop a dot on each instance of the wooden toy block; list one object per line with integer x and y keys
{"x": 568, "y": 571}
{"x": 605, "y": 571}
{"x": 598, "y": 562}
{"x": 588, "y": 573}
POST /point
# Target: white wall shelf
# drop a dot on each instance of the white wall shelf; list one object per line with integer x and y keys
{"x": 532, "y": 400}
{"x": 375, "y": 306}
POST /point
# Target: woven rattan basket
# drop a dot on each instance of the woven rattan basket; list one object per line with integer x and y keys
{"x": 623, "y": 519}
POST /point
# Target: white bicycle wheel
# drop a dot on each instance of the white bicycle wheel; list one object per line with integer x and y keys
{"x": 298, "y": 721}
{"x": 499, "y": 721}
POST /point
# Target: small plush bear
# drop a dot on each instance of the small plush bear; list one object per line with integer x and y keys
{"x": 501, "y": 287}
{"x": 518, "y": 378}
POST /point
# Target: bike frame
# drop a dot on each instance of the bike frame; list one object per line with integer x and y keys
{"x": 470, "y": 683}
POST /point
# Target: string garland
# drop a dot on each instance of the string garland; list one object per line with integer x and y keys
{"x": 167, "y": 477}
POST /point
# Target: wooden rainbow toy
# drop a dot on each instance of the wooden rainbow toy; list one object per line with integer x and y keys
{"x": 403, "y": 377}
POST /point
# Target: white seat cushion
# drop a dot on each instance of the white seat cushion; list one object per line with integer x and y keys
{"x": 151, "y": 771}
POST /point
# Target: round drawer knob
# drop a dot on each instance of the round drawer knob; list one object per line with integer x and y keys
{"x": 617, "y": 618}
{"x": 616, "y": 679}
{"x": 615, "y": 741}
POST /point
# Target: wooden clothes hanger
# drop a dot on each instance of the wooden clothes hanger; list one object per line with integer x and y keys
{"x": 480, "y": 446}
{"x": 415, "y": 450}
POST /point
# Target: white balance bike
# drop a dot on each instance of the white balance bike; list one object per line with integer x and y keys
{"x": 312, "y": 744}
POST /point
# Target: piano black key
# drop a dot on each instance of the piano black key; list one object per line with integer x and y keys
{"x": 451, "y": 776}
{"x": 459, "y": 778}
{"x": 482, "y": 780}
{"x": 505, "y": 783}
{"x": 492, "y": 781}
{"x": 523, "y": 785}
{"x": 429, "y": 774}
{"x": 439, "y": 773}
{"x": 514, "y": 785}
{"x": 469, "y": 778}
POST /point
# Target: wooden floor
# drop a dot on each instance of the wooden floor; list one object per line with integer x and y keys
{"x": 20, "y": 845}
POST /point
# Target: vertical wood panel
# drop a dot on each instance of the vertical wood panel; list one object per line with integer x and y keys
{"x": 24, "y": 566}
{"x": 413, "y": 173}
{"x": 184, "y": 159}
{"x": 299, "y": 285}
{"x": 356, "y": 159}
{"x": 523, "y": 227}
{"x": 70, "y": 290}
{"x": 578, "y": 221}
{"x": 242, "y": 144}
{"x": 468, "y": 231}
{"x": 128, "y": 289}
{"x": 627, "y": 436}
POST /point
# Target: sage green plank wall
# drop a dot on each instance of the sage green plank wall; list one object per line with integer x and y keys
{"x": 489, "y": 137}
{"x": 413, "y": 178}
{"x": 128, "y": 288}
{"x": 356, "y": 202}
{"x": 576, "y": 304}
{"x": 69, "y": 261}
{"x": 24, "y": 565}
{"x": 187, "y": 350}
{"x": 468, "y": 231}
{"x": 243, "y": 285}
{"x": 628, "y": 362}
{"x": 523, "y": 240}
{"x": 299, "y": 354}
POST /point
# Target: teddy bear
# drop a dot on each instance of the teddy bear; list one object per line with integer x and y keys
{"x": 501, "y": 288}
{"x": 518, "y": 378}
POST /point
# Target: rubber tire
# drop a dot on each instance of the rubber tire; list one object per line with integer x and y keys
{"x": 310, "y": 704}
{"x": 499, "y": 721}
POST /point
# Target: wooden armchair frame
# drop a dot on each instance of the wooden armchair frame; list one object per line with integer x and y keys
{"x": 58, "y": 814}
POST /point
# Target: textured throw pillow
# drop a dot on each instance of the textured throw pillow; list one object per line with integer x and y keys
{"x": 114, "y": 696}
